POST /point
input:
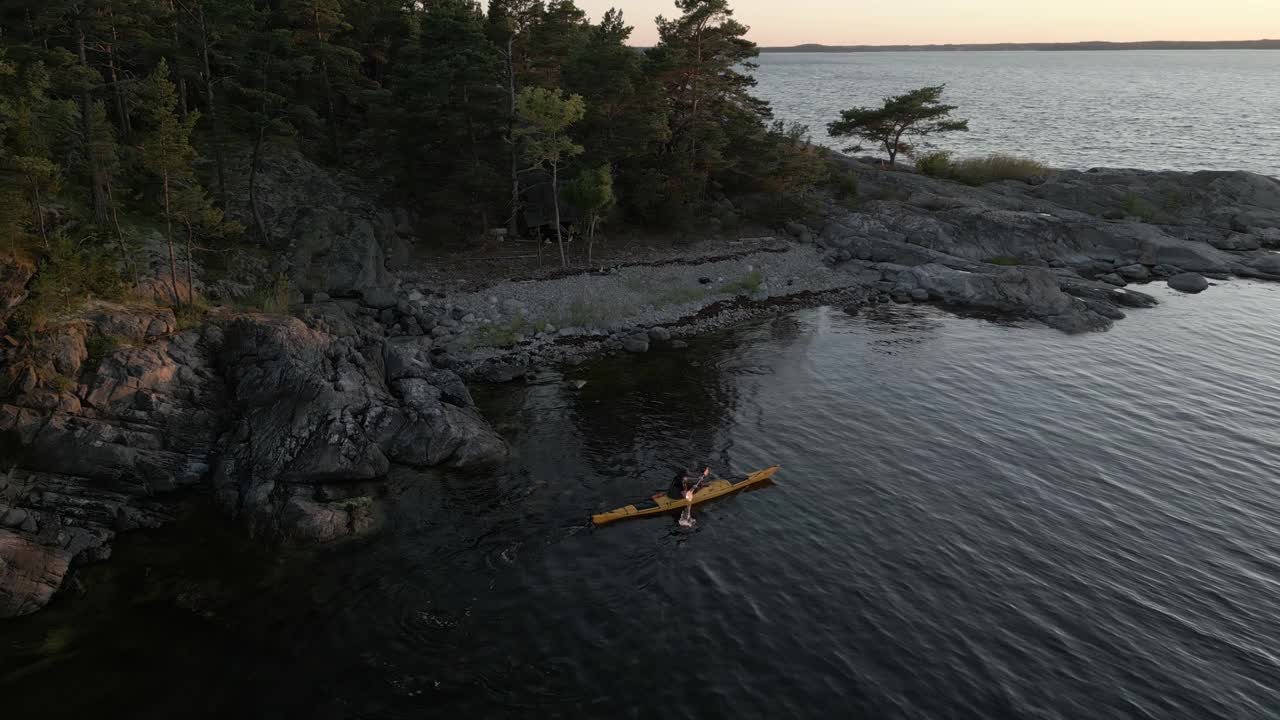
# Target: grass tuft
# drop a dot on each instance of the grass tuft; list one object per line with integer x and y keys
{"x": 981, "y": 170}
{"x": 745, "y": 286}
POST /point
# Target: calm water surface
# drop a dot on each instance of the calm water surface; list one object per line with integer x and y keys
{"x": 974, "y": 520}
{"x": 1174, "y": 110}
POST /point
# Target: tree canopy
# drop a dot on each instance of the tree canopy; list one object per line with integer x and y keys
{"x": 123, "y": 116}
{"x": 902, "y": 125}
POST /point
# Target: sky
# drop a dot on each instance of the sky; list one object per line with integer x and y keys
{"x": 921, "y": 22}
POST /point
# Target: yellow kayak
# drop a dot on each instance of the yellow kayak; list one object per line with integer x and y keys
{"x": 662, "y": 503}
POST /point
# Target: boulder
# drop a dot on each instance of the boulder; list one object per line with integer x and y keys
{"x": 1112, "y": 279}
{"x": 333, "y": 236}
{"x": 30, "y": 572}
{"x": 659, "y": 334}
{"x": 407, "y": 357}
{"x": 1134, "y": 272}
{"x": 1189, "y": 283}
{"x": 380, "y": 298}
{"x": 1267, "y": 263}
{"x": 314, "y": 410}
{"x": 920, "y": 295}
{"x": 1028, "y": 291}
{"x": 1236, "y": 241}
{"x": 437, "y": 433}
{"x": 637, "y": 343}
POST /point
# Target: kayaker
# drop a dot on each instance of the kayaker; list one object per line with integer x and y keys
{"x": 685, "y": 483}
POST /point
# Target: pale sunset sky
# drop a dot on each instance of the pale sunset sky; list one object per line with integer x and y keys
{"x": 920, "y": 22}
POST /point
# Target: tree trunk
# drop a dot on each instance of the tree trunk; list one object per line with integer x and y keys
{"x": 191, "y": 285}
{"x": 39, "y": 207}
{"x": 173, "y": 261}
{"x": 129, "y": 267}
{"x": 513, "y": 223}
{"x": 253, "y": 195}
{"x": 122, "y": 113}
{"x": 591, "y": 239}
{"x": 98, "y": 180}
{"x": 212, "y": 108}
{"x": 555, "y": 202}
{"x": 180, "y": 81}
{"x": 334, "y": 138}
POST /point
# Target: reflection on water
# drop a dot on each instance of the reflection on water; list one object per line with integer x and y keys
{"x": 973, "y": 520}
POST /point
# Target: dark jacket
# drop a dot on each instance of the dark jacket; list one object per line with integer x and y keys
{"x": 681, "y": 481}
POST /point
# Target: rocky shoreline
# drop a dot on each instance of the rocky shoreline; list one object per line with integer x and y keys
{"x": 293, "y": 422}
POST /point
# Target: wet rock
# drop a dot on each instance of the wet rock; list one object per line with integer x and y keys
{"x": 380, "y": 298}
{"x": 1021, "y": 290}
{"x": 659, "y": 334}
{"x": 1135, "y": 272}
{"x": 313, "y": 410}
{"x": 637, "y": 343}
{"x": 679, "y": 344}
{"x": 1189, "y": 283}
{"x": 30, "y": 572}
{"x": 497, "y": 373}
{"x": 920, "y": 295}
{"x": 437, "y": 433}
{"x": 1112, "y": 279}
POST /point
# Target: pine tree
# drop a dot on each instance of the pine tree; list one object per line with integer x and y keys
{"x": 702, "y": 60}
{"x": 510, "y": 22}
{"x": 448, "y": 112}
{"x": 196, "y": 211}
{"x": 102, "y": 145}
{"x": 167, "y": 150}
{"x": 34, "y": 122}
{"x": 316, "y": 26}
{"x": 546, "y": 116}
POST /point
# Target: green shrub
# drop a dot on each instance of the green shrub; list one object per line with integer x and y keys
{"x": 191, "y": 315}
{"x": 1134, "y": 206}
{"x": 501, "y": 335}
{"x": 994, "y": 168}
{"x": 935, "y": 164}
{"x": 100, "y": 346}
{"x": 845, "y": 185}
{"x": 273, "y": 298}
{"x": 69, "y": 273}
{"x": 745, "y": 286}
{"x": 62, "y": 383}
{"x": 679, "y": 296}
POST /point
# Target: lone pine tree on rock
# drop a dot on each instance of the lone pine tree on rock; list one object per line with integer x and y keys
{"x": 915, "y": 115}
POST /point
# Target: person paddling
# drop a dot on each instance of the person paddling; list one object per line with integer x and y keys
{"x": 686, "y": 483}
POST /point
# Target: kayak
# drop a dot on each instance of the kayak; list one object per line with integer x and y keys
{"x": 662, "y": 503}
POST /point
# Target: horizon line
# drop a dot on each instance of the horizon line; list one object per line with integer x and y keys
{"x": 1031, "y": 42}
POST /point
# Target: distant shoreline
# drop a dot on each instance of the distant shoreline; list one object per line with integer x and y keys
{"x": 1075, "y": 46}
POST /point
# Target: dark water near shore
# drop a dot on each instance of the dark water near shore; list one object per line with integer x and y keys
{"x": 1151, "y": 109}
{"x": 974, "y": 519}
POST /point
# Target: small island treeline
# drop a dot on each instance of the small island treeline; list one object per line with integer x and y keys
{"x": 1264, "y": 44}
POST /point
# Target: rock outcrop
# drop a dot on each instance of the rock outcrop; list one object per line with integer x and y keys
{"x": 334, "y": 239}
{"x": 320, "y": 417}
{"x": 989, "y": 246}
{"x": 293, "y": 424}
{"x": 99, "y": 457}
